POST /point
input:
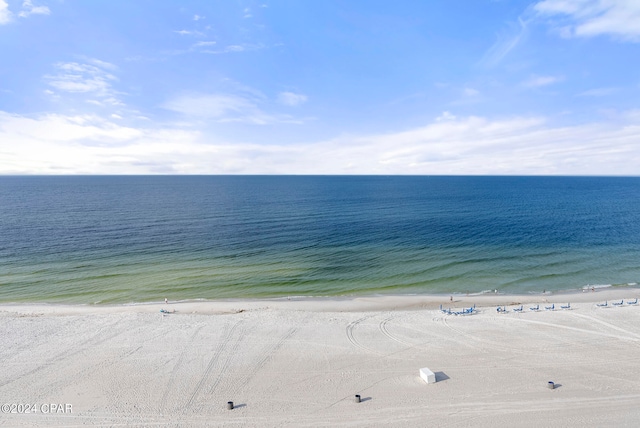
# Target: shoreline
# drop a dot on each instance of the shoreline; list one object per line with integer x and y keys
{"x": 334, "y": 303}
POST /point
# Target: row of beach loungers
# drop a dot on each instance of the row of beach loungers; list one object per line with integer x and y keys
{"x": 504, "y": 310}
{"x": 620, "y": 303}
{"x": 465, "y": 311}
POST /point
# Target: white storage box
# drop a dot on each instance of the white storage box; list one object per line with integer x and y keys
{"x": 427, "y": 375}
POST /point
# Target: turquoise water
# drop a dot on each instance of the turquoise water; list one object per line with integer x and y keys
{"x": 116, "y": 239}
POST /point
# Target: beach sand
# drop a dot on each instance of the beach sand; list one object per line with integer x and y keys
{"x": 300, "y": 362}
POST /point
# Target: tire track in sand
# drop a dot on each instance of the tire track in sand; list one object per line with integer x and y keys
{"x": 350, "y": 327}
{"x": 609, "y": 325}
{"x": 268, "y": 355}
{"x": 91, "y": 342}
{"x": 383, "y": 328}
{"x": 212, "y": 361}
{"x": 176, "y": 367}
{"x": 223, "y": 369}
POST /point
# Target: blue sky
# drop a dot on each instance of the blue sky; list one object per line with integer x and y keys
{"x": 548, "y": 87}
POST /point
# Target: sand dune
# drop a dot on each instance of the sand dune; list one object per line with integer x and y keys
{"x": 301, "y": 362}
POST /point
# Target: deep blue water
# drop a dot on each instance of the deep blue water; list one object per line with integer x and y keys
{"x": 121, "y": 239}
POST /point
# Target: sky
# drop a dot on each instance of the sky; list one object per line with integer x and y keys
{"x": 442, "y": 87}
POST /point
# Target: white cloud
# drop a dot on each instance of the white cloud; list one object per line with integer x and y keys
{"x": 102, "y": 64}
{"x": 84, "y": 78}
{"x": 188, "y": 32}
{"x": 445, "y": 116}
{"x": 29, "y": 9}
{"x": 54, "y": 127}
{"x": 598, "y": 92}
{"x": 203, "y": 46}
{"x": 212, "y": 106}
{"x": 507, "y": 40}
{"x": 467, "y": 96}
{"x": 235, "y": 49}
{"x": 538, "y": 81}
{"x": 225, "y": 108}
{"x": 291, "y": 98}
{"x": 5, "y": 13}
{"x": 470, "y": 92}
{"x": 76, "y": 77}
{"x": 197, "y": 17}
{"x": 586, "y": 18}
{"x": 471, "y": 145}
{"x": 55, "y": 144}
{"x": 204, "y": 43}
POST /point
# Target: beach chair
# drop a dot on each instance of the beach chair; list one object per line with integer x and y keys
{"x": 567, "y": 306}
{"x": 502, "y": 310}
{"x": 618, "y": 303}
{"x": 518, "y": 309}
{"x": 603, "y": 305}
{"x": 550, "y": 308}
{"x": 445, "y": 311}
{"x": 466, "y": 311}
{"x": 535, "y": 308}
{"x": 633, "y": 302}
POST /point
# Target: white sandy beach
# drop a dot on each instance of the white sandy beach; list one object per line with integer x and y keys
{"x": 300, "y": 362}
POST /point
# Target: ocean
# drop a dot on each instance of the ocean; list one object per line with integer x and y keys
{"x": 136, "y": 239}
